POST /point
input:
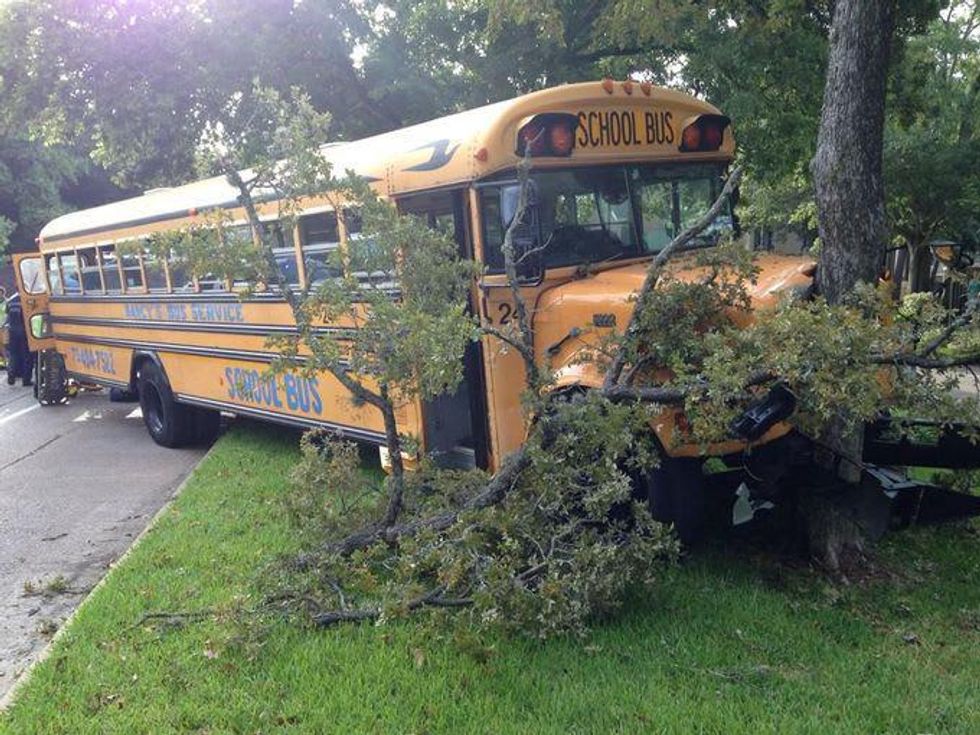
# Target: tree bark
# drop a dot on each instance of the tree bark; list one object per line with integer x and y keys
{"x": 846, "y": 169}
{"x": 847, "y": 177}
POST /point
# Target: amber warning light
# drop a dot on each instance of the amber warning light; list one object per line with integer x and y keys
{"x": 704, "y": 133}
{"x": 551, "y": 134}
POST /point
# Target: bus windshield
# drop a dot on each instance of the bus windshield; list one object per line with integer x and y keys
{"x": 588, "y": 215}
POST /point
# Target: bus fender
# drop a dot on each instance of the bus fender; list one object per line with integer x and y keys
{"x": 140, "y": 357}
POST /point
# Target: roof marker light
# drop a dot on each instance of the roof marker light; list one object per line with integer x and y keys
{"x": 548, "y": 134}
{"x": 482, "y": 155}
{"x": 628, "y": 86}
{"x": 704, "y": 133}
{"x": 608, "y": 85}
{"x": 645, "y": 87}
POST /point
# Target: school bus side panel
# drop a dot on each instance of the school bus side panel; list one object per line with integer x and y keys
{"x": 215, "y": 352}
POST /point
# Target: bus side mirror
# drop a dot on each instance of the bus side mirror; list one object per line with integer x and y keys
{"x": 525, "y": 232}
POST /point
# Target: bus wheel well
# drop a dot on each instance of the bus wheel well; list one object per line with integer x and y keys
{"x": 140, "y": 359}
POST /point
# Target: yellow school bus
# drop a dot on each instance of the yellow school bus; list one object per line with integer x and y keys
{"x": 618, "y": 170}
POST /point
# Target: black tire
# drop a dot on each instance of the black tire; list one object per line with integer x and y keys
{"x": 170, "y": 423}
{"x": 50, "y": 379}
{"x": 120, "y": 395}
{"x": 675, "y": 493}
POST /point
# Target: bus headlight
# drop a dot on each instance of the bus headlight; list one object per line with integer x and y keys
{"x": 40, "y": 326}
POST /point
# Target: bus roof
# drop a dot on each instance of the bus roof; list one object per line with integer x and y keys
{"x": 447, "y": 151}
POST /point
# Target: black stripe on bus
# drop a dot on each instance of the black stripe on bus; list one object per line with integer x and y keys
{"x": 300, "y": 421}
{"x": 240, "y": 355}
{"x": 261, "y": 330}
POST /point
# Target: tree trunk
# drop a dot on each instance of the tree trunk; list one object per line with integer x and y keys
{"x": 394, "y": 445}
{"x": 847, "y": 165}
{"x": 847, "y": 176}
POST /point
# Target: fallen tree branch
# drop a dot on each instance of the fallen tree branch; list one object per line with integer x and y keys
{"x": 496, "y": 490}
{"x": 430, "y": 599}
{"x": 173, "y": 618}
{"x": 927, "y": 363}
{"x": 625, "y": 393}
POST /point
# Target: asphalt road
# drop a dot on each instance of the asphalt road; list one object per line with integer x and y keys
{"x": 77, "y": 484}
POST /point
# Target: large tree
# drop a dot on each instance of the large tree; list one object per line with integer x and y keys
{"x": 847, "y": 170}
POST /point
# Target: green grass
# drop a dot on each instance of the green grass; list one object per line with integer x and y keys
{"x": 729, "y": 644}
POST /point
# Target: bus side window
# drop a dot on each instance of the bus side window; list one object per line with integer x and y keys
{"x": 54, "y": 275}
{"x": 91, "y": 281}
{"x": 180, "y": 273}
{"x": 284, "y": 250}
{"x": 110, "y": 268}
{"x": 69, "y": 269}
{"x": 320, "y": 239}
{"x": 156, "y": 277}
{"x": 132, "y": 272}
{"x": 352, "y": 223}
{"x": 376, "y": 278}
{"x": 238, "y": 236}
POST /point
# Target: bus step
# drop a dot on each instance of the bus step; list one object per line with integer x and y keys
{"x": 457, "y": 458}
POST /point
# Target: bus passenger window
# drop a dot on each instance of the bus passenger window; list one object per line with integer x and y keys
{"x": 156, "y": 278}
{"x": 366, "y": 261}
{"x": 180, "y": 273}
{"x": 110, "y": 268}
{"x": 352, "y": 223}
{"x": 211, "y": 282}
{"x": 69, "y": 269}
{"x": 239, "y": 238}
{"x": 132, "y": 272}
{"x": 54, "y": 275}
{"x": 320, "y": 239}
{"x": 91, "y": 281}
{"x": 285, "y": 253}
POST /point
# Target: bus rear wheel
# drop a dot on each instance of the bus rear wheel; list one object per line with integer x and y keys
{"x": 172, "y": 424}
{"x": 168, "y": 422}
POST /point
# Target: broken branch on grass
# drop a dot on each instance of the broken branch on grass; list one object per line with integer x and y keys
{"x": 433, "y": 598}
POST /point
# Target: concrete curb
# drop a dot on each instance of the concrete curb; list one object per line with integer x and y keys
{"x": 8, "y": 699}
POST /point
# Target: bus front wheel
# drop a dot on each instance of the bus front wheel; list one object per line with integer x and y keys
{"x": 675, "y": 492}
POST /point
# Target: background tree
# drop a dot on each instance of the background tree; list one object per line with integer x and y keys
{"x": 932, "y": 153}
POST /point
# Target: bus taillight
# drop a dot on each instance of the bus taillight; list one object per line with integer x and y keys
{"x": 704, "y": 133}
{"x": 550, "y": 134}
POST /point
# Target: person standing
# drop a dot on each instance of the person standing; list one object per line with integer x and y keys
{"x": 3, "y": 328}
{"x": 20, "y": 359}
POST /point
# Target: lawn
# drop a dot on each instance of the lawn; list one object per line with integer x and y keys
{"x": 732, "y": 643}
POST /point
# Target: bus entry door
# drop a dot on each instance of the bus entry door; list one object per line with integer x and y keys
{"x": 34, "y": 301}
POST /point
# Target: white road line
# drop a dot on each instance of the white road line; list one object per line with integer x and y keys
{"x": 16, "y": 414}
